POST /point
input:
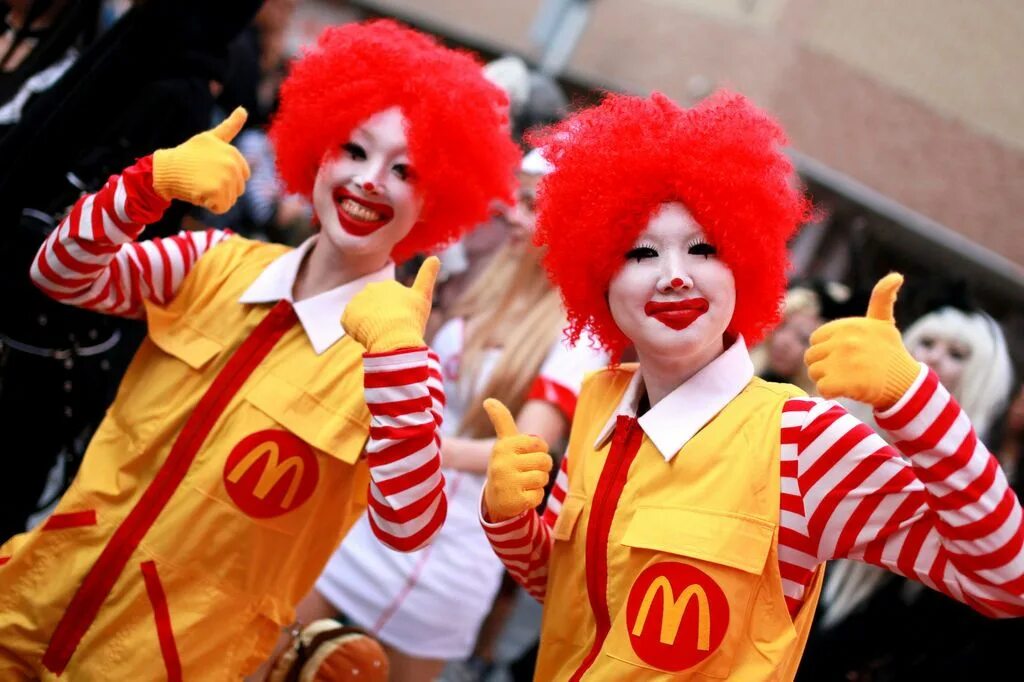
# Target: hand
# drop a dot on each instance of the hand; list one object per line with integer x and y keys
{"x": 863, "y": 358}
{"x": 387, "y": 316}
{"x": 518, "y": 470}
{"x": 205, "y": 170}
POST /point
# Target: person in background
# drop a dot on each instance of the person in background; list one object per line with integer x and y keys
{"x": 146, "y": 83}
{"x": 503, "y": 338}
{"x": 534, "y": 100}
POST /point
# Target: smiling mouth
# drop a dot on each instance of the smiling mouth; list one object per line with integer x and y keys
{"x": 677, "y": 314}
{"x": 359, "y": 216}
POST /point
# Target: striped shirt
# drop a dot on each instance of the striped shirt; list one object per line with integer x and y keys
{"x": 941, "y": 513}
{"x": 92, "y": 261}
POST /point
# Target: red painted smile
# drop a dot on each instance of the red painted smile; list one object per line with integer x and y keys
{"x": 677, "y": 314}
{"x": 359, "y": 216}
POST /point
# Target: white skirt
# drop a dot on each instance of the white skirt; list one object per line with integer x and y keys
{"x": 428, "y": 603}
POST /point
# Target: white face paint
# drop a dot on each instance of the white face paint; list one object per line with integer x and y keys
{"x": 364, "y": 193}
{"x": 673, "y": 296}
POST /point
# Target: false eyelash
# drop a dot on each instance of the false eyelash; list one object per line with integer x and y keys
{"x": 697, "y": 240}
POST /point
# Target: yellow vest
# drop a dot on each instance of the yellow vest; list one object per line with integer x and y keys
{"x": 688, "y": 574}
{"x": 276, "y": 484}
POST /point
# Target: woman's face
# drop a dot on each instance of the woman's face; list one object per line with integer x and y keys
{"x": 364, "y": 193}
{"x": 673, "y": 296}
{"x": 944, "y": 355}
{"x": 789, "y": 342}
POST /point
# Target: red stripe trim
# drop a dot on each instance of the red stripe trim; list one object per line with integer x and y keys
{"x": 913, "y": 407}
{"x": 399, "y": 450}
{"x": 162, "y": 616}
{"x": 409, "y": 479}
{"x": 935, "y": 432}
{"x": 381, "y": 378}
{"x": 392, "y": 353}
{"x": 98, "y": 582}
{"x": 417, "y": 539}
{"x": 984, "y": 526}
{"x": 382, "y": 433}
{"x": 401, "y": 408}
{"x": 555, "y": 393}
{"x": 409, "y": 512}
{"x": 625, "y": 444}
{"x": 71, "y": 520}
{"x": 949, "y": 465}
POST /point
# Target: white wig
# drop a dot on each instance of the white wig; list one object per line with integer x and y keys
{"x": 988, "y": 373}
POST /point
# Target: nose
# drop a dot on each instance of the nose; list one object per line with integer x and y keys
{"x": 369, "y": 187}
{"x": 672, "y": 283}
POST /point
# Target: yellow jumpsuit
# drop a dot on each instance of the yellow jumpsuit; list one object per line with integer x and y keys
{"x": 680, "y": 557}
{"x": 223, "y": 476}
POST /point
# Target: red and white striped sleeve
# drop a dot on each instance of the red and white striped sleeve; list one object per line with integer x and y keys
{"x": 407, "y": 503}
{"x": 524, "y": 543}
{"x": 946, "y": 518}
{"x": 92, "y": 261}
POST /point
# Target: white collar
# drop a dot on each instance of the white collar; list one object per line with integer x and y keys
{"x": 320, "y": 315}
{"x": 682, "y": 413}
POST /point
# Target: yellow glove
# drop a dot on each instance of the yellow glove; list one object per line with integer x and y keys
{"x": 518, "y": 470}
{"x": 387, "y": 316}
{"x": 863, "y": 358}
{"x": 205, "y": 170}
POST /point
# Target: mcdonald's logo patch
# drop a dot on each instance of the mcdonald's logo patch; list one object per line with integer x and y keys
{"x": 676, "y": 615}
{"x": 270, "y": 473}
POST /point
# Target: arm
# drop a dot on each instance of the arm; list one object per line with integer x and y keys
{"x": 90, "y": 260}
{"x": 407, "y": 504}
{"x": 945, "y": 516}
{"x": 402, "y": 384}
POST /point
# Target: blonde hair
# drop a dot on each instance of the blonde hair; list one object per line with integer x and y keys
{"x": 987, "y": 380}
{"x": 512, "y": 305}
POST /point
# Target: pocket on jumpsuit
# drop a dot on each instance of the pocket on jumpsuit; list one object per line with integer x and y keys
{"x": 566, "y": 625}
{"x": 689, "y": 604}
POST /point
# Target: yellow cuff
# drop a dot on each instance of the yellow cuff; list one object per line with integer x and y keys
{"x": 898, "y": 380}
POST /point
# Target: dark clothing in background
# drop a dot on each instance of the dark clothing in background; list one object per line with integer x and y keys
{"x": 144, "y": 85}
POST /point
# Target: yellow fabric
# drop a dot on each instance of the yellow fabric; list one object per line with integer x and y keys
{"x": 518, "y": 469}
{"x": 715, "y": 508}
{"x": 231, "y": 580}
{"x": 387, "y": 316}
{"x": 205, "y": 170}
{"x": 863, "y": 358}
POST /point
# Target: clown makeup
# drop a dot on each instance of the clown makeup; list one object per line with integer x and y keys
{"x": 947, "y": 356}
{"x": 364, "y": 194}
{"x": 673, "y": 298}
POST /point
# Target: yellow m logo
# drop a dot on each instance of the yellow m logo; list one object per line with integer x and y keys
{"x": 273, "y": 472}
{"x": 672, "y": 611}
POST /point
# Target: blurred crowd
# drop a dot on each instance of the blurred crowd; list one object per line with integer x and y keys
{"x": 87, "y": 86}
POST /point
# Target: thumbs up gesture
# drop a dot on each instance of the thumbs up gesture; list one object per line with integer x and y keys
{"x": 863, "y": 358}
{"x": 387, "y": 316}
{"x": 205, "y": 170}
{"x": 518, "y": 470}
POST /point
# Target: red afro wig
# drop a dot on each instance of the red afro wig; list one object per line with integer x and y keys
{"x": 616, "y": 163}
{"x": 458, "y": 130}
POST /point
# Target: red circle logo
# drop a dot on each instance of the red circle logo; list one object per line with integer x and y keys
{"x": 270, "y": 473}
{"x": 676, "y": 615}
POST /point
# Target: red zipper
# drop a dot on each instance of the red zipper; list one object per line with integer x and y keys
{"x": 100, "y": 580}
{"x": 625, "y": 444}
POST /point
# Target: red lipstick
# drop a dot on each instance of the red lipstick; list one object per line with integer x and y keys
{"x": 352, "y": 222}
{"x": 677, "y": 314}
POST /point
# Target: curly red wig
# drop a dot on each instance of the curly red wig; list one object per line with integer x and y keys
{"x": 616, "y": 163}
{"x": 459, "y": 142}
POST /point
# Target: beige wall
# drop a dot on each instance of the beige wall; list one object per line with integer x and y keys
{"x": 922, "y": 100}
